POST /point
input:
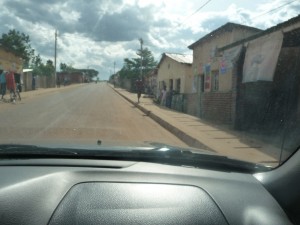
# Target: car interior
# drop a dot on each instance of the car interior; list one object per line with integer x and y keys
{"x": 70, "y": 190}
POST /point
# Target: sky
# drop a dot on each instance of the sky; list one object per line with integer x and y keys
{"x": 96, "y": 33}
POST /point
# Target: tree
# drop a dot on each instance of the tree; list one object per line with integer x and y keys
{"x": 48, "y": 69}
{"x": 132, "y": 67}
{"x": 41, "y": 69}
{"x": 19, "y": 44}
{"x": 148, "y": 61}
{"x": 66, "y": 68}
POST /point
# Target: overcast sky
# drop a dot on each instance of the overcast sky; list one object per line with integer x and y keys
{"x": 95, "y": 33}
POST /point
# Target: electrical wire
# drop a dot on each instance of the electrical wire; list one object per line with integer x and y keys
{"x": 272, "y": 10}
{"x": 196, "y": 11}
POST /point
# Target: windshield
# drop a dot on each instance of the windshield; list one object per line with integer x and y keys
{"x": 219, "y": 76}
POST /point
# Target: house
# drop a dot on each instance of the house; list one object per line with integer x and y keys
{"x": 70, "y": 77}
{"x": 266, "y": 80}
{"x": 10, "y": 62}
{"x": 175, "y": 73}
{"x": 213, "y": 96}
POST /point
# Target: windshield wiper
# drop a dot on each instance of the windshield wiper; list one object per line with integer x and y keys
{"x": 162, "y": 155}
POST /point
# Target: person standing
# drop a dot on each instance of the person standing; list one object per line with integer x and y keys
{"x": 139, "y": 88}
{"x": 11, "y": 85}
{"x": 2, "y": 83}
{"x": 163, "y": 96}
{"x": 33, "y": 83}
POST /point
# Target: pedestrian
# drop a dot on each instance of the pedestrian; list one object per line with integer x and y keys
{"x": 139, "y": 88}
{"x": 169, "y": 98}
{"x": 163, "y": 96}
{"x": 2, "y": 83}
{"x": 11, "y": 85}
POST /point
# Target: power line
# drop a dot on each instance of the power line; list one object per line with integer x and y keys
{"x": 196, "y": 11}
{"x": 183, "y": 22}
{"x": 272, "y": 10}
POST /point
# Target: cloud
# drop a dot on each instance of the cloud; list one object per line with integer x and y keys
{"x": 99, "y": 32}
{"x": 127, "y": 25}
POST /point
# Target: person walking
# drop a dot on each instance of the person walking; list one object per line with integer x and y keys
{"x": 139, "y": 88}
{"x": 33, "y": 83}
{"x": 2, "y": 83}
{"x": 11, "y": 85}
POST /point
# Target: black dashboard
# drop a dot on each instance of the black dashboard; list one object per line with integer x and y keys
{"x": 74, "y": 191}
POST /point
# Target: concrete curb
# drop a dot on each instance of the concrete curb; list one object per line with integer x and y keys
{"x": 189, "y": 140}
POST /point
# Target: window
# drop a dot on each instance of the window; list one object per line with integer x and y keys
{"x": 215, "y": 80}
{"x": 171, "y": 84}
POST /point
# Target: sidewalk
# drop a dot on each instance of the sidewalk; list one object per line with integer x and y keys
{"x": 204, "y": 135}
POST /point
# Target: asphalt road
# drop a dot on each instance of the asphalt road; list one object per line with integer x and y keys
{"x": 80, "y": 115}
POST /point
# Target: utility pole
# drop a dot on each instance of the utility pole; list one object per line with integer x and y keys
{"x": 115, "y": 77}
{"x": 55, "y": 55}
{"x": 141, "y": 42}
{"x": 114, "y": 67}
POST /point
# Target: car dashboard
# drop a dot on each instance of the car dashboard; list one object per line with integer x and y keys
{"x": 77, "y": 191}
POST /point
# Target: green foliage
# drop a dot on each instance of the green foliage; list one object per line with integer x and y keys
{"x": 66, "y": 68}
{"x": 19, "y": 44}
{"x": 69, "y": 69}
{"x": 132, "y": 67}
{"x": 41, "y": 69}
{"x": 48, "y": 69}
{"x": 148, "y": 61}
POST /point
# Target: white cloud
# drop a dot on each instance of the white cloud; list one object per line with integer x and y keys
{"x": 98, "y": 32}
{"x": 70, "y": 17}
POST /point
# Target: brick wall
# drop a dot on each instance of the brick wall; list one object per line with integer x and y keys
{"x": 217, "y": 106}
{"x": 191, "y": 104}
{"x": 265, "y": 105}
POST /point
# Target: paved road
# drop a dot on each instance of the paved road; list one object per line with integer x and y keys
{"x": 80, "y": 115}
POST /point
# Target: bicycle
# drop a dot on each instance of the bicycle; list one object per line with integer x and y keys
{"x": 14, "y": 95}
{"x": 18, "y": 89}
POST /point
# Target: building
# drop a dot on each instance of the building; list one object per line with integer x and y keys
{"x": 10, "y": 62}
{"x": 266, "y": 79}
{"x": 212, "y": 96}
{"x": 65, "y": 78}
{"x": 175, "y": 73}
{"x": 27, "y": 79}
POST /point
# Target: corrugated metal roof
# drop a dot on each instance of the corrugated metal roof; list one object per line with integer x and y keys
{"x": 181, "y": 58}
{"x": 27, "y": 70}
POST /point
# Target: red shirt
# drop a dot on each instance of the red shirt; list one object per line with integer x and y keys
{"x": 10, "y": 81}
